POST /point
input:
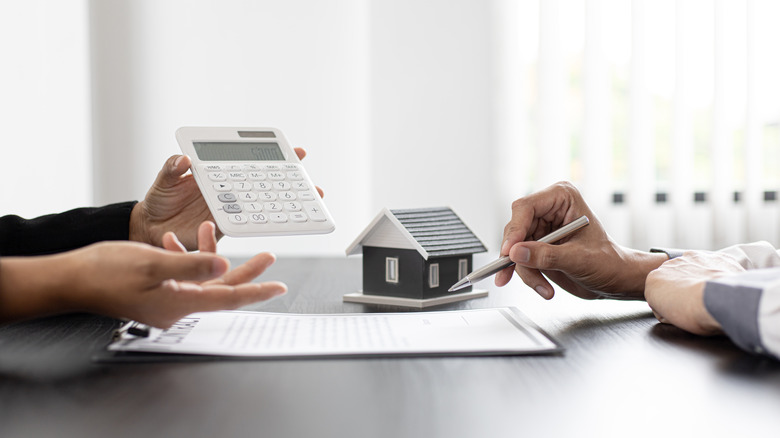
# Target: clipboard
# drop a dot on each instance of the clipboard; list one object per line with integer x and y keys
{"x": 240, "y": 335}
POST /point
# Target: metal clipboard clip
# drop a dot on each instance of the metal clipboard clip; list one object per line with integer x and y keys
{"x": 133, "y": 328}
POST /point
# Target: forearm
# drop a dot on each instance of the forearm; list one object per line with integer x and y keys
{"x": 32, "y": 287}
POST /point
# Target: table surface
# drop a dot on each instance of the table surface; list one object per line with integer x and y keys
{"x": 622, "y": 373}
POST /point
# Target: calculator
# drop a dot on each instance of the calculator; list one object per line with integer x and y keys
{"x": 253, "y": 182}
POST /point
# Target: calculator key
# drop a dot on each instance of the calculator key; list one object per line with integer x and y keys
{"x": 273, "y": 207}
{"x": 290, "y": 166}
{"x": 237, "y": 218}
{"x": 232, "y": 208}
{"x": 223, "y": 187}
{"x": 232, "y": 167}
{"x": 282, "y": 185}
{"x": 306, "y": 196}
{"x": 278, "y": 218}
{"x": 294, "y": 176}
{"x": 217, "y": 176}
{"x": 276, "y": 176}
{"x": 271, "y": 167}
{"x": 298, "y": 216}
{"x": 251, "y": 167}
{"x": 226, "y": 197}
{"x": 242, "y": 186}
{"x": 253, "y": 207}
{"x": 300, "y": 185}
{"x": 288, "y": 196}
{"x": 237, "y": 176}
{"x": 262, "y": 186}
{"x": 267, "y": 196}
{"x": 247, "y": 197}
{"x": 256, "y": 176}
{"x": 258, "y": 218}
{"x": 212, "y": 168}
{"x": 293, "y": 206}
{"x": 314, "y": 211}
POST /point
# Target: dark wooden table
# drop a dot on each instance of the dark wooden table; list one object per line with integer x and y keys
{"x": 622, "y": 374}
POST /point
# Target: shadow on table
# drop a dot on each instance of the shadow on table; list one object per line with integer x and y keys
{"x": 730, "y": 358}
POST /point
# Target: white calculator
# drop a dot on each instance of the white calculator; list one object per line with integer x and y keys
{"x": 253, "y": 182}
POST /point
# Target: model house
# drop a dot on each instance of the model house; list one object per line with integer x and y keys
{"x": 415, "y": 254}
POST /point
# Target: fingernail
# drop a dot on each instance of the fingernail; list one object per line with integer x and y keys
{"x": 177, "y": 161}
{"x": 523, "y": 254}
{"x": 542, "y": 291}
{"x": 505, "y": 247}
{"x": 218, "y": 266}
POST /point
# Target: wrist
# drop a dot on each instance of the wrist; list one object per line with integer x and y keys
{"x": 138, "y": 231}
{"x": 640, "y": 264}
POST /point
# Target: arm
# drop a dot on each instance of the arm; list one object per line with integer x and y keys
{"x": 589, "y": 264}
{"x": 735, "y": 291}
{"x": 65, "y": 231}
{"x": 131, "y": 280}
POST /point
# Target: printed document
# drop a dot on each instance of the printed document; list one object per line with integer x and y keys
{"x": 501, "y": 331}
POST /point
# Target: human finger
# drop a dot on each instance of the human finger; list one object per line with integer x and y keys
{"x": 207, "y": 237}
{"x": 301, "y": 153}
{"x": 171, "y": 243}
{"x": 224, "y": 297}
{"x": 160, "y": 266}
{"x": 248, "y": 271}
{"x": 174, "y": 167}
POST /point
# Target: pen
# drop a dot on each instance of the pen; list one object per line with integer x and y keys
{"x": 504, "y": 262}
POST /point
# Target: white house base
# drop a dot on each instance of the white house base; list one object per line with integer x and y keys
{"x": 359, "y": 297}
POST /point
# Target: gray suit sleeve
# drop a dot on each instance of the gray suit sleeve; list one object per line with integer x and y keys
{"x": 744, "y": 306}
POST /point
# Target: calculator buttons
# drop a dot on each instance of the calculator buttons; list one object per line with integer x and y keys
{"x": 232, "y": 167}
{"x": 251, "y": 167}
{"x": 287, "y": 196}
{"x": 258, "y": 218}
{"x": 243, "y": 186}
{"x": 267, "y": 196}
{"x": 217, "y": 176}
{"x": 314, "y": 211}
{"x": 276, "y": 176}
{"x": 294, "y": 176}
{"x": 275, "y": 167}
{"x": 273, "y": 207}
{"x": 282, "y": 185}
{"x": 212, "y": 168}
{"x": 290, "y": 167}
{"x": 306, "y": 196}
{"x": 222, "y": 187}
{"x": 262, "y": 186}
{"x": 298, "y": 217}
{"x": 279, "y": 218}
{"x": 256, "y": 176}
{"x": 300, "y": 185}
{"x": 293, "y": 206}
{"x": 237, "y": 219}
{"x": 248, "y": 197}
{"x": 253, "y": 207}
{"x": 226, "y": 197}
{"x": 237, "y": 176}
{"x": 232, "y": 208}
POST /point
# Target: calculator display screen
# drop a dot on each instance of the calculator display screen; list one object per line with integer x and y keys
{"x": 238, "y": 151}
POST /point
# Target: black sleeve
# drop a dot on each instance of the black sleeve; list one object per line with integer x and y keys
{"x": 72, "y": 229}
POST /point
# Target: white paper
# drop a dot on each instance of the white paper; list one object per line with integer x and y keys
{"x": 260, "y": 334}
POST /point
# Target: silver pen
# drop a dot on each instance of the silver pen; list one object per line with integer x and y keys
{"x": 504, "y": 262}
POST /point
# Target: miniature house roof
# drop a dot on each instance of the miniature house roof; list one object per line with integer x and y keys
{"x": 433, "y": 232}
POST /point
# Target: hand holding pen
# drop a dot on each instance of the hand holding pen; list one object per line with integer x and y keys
{"x": 589, "y": 264}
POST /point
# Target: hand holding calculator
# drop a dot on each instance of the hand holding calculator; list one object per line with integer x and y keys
{"x": 253, "y": 182}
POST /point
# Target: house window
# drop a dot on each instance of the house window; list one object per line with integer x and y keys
{"x": 391, "y": 269}
{"x": 463, "y": 268}
{"x": 433, "y": 275}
